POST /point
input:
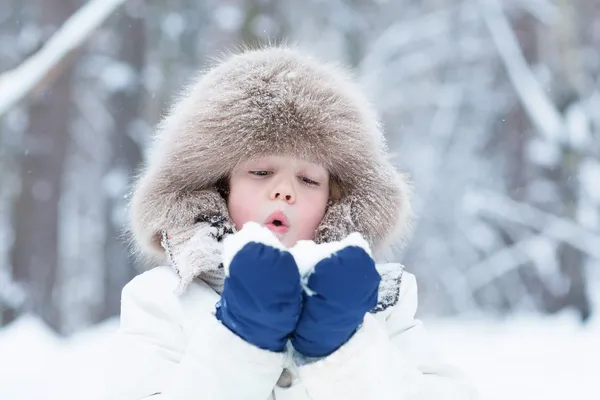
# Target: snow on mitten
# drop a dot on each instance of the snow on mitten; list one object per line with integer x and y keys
{"x": 261, "y": 300}
{"x": 338, "y": 293}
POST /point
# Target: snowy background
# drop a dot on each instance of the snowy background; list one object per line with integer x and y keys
{"x": 491, "y": 106}
{"x": 525, "y": 357}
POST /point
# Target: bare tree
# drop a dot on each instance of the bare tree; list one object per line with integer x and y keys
{"x": 45, "y": 64}
{"x": 35, "y": 253}
{"x": 126, "y": 154}
{"x": 490, "y": 106}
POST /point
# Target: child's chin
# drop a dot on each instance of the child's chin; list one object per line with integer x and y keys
{"x": 286, "y": 240}
{"x": 289, "y": 242}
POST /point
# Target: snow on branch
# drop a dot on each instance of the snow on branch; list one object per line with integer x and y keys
{"x": 544, "y": 10}
{"x": 443, "y": 127}
{"x": 543, "y": 113}
{"x": 554, "y": 227}
{"x": 400, "y": 34}
{"x": 500, "y": 263}
{"x": 390, "y": 43}
{"x": 16, "y": 84}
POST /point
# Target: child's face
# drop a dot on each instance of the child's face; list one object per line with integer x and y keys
{"x": 261, "y": 188}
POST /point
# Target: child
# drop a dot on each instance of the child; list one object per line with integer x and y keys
{"x": 267, "y": 189}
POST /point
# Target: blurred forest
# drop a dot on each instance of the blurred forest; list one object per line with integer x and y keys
{"x": 492, "y": 107}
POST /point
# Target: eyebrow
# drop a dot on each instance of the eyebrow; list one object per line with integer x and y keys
{"x": 321, "y": 173}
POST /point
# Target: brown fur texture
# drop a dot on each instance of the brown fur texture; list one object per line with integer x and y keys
{"x": 274, "y": 100}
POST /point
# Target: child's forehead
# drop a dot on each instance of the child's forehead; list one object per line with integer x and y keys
{"x": 282, "y": 159}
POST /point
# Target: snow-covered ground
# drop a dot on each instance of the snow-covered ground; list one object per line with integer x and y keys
{"x": 526, "y": 358}
{"x": 518, "y": 358}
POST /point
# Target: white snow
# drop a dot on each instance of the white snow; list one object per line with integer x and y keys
{"x": 543, "y": 153}
{"x": 308, "y": 253}
{"x": 527, "y": 357}
{"x": 578, "y": 126}
{"x": 250, "y": 232}
{"x": 589, "y": 175}
{"x": 36, "y": 364}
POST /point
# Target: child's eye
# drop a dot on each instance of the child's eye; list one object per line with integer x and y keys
{"x": 260, "y": 173}
{"x": 309, "y": 181}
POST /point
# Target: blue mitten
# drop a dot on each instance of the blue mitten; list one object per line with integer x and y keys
{"x": 261, "y": 299}
{"x": 338, "y": 293}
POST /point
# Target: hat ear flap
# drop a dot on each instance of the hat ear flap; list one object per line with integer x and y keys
{"x": 153, "y": 214}
{"x": 378, "y": 208}
{"x": 336, "y": 223}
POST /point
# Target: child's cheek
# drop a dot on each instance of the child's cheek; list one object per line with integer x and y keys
{"x": 241, "y": 211}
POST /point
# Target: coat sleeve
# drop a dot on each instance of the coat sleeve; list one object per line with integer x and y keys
{"x": 152, "y": 356}
{"x": 391, "y": 362}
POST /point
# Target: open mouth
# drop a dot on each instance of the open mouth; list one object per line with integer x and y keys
{"x": 277, "y": 222}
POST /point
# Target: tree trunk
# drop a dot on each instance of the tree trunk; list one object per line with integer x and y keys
{"x": 125, "y": 106}
{"x": 35, "y": 252}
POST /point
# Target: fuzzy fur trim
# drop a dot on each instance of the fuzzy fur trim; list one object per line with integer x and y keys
{"x": 274, "y": 100}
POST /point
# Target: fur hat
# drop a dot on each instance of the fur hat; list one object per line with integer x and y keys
{"x": 274, "y": 100}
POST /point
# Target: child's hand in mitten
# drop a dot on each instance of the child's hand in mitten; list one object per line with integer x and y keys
{"x": 261, "y": 300}
{"x": 339, "y": 292}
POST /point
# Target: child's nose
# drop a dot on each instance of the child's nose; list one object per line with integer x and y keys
{"x": 287, "y": 197}
{"x": 283, "y": 192}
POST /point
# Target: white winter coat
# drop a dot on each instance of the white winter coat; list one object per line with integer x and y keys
{"x": 172, "y": 347}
